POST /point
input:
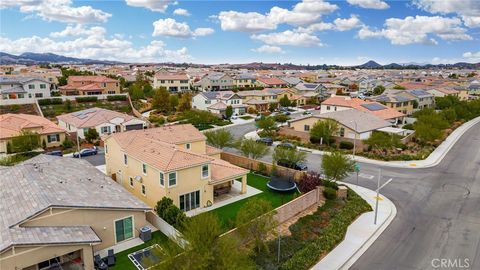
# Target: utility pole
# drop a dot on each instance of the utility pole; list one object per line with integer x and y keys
{"x": 378, "y": 193}
{"x": 278, "y": 253}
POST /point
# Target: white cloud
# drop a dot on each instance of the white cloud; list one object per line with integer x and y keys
{"x": 268, "y": 49}
{"x": 472, "y": 56}
{"x": 469, "y": 10}
{"x": 289, "y": 37}
{"x": 303, "y": 13}
{"x": 153, "y": 5}
{"x": 170, "y": 27}
{"x": 58, "y": 10}
{"x": 96, "y": 46}
{"x": 372, "y": 4}
{"x": 316, "y": 27}
{"x": 181, "y": 12}
{"x": 79, "y": 30}
{"x": 418, "y": 29}
{"x": 347, "y": 24}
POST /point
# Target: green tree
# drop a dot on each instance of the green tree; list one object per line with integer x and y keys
{"x": 272, "y": 106}
{"x": 25, "y": 142}
{"x": 285, "y": 102}
{"x": 380, "y": 140}
{"x": 136, "y": 92}
{"x": 205, "y": 248}
{"x": 399, "y": 87}
{"x": 174, "y": 102}
{"x": 219, "y": 138}
{"x": 252, "y": 149}
{"x": 323, "y": 130}
{"x": 336, "y": 166}
{"x": 91, "y": 135}
{"x": 161, "y": 100}
{"x": 255, "y": 220}
{"x": 229, "y": 112}
{"x": 185, "y": 102}
{"x": 267, "y": 124}
{"x": 68, "y": 105}
{"x": 148, "y": 90}
{"x": 378, "y": 90}
{"x": 289, "y": 156}
{"x": 426, "y": 133}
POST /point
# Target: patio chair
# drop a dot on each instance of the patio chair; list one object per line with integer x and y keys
{"x": 111, "y": 258}
{"x": 99, "y": 263}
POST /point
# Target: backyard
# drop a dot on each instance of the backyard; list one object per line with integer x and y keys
{"x": 228, "y": 213}
{"x": 53, "y": 110}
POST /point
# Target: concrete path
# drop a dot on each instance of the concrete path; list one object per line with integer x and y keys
{"x": 361, "y": 233}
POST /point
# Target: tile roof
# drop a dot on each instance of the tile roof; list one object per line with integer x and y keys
{"x": 35, "y": 185}
{"x": 356, "y": 103}
{"x": 100, "y": 79}
{"x": 271, "y": 81}
{"x": 210, "y": 150}
{"x": 90, "y": 87}
{"x": 92, "y": 117}
{"x": 222, "y": 170}
{"x": 171, "y": 76}
{"x": 11, "y": 125}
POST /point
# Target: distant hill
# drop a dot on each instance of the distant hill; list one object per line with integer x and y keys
{"x": 370, "y": 64}
{"x": 39, "y": 58}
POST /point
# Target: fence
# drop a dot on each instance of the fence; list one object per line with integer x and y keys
{"x": 253, "y": 164}
{"x": 165, "y": 228}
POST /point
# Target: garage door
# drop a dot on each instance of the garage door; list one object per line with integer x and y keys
{"x": 132, "y": 127}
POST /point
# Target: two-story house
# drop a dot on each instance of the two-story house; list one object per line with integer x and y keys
{"x": 174, "y": 82}
{"x": 216, "y": 81}
{"x": 217, "y": 102}
{"x": 90, "y": 85}
{"x": 245, "y": 80}
{"x": 401, "y": 103}
{"x": 23, "y": 90}
{"x": 174, "y": 162}
{"x": 272, "y": 82}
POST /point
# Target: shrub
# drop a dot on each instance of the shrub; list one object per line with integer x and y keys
{"x": 117, "y": 98}
{"x": 171, "y": 118}
{"x": 67, "y": 143}
{"x": 170, "y": 213}
{"x": 156, "y": 119}
{"x": 56, "y": 101}
{"x": 262, "y": 168}
{"x": 252, "y": 110}
{"x": 282, "y": 118}
{"x": 408, "y": 126}
{"x": 86, "y": 99}
{"x": 330, "y": 184}
{"x": 330, "y": 193}
{"x": 309, "y": 181}
{"x": 346, "y": 145}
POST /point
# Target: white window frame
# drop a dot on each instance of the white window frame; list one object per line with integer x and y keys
{"x": 188, "y": 146}
{"x": 208, "y": 171}
{"x": 144, "y": 169}
{"x": 176, "y": 179}
{"x": 115, "y": 229}
{"x": 161, "y": 178}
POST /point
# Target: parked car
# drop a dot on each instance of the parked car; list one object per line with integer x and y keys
{"x": 283, "y": 109}
{"x": 86, "y": 152}
{"x": 55, "y": 153}
{"x": 307, "y": 113}
{"x": 317, "y": 108}
{"x": 287, "y": 145}
{"x": 234, "y": 117}
{"x": 259, "y": 117}
{"x": 287, "y": 113}
{"x": 266, "y": 140}
{"x": 299, "y": 166}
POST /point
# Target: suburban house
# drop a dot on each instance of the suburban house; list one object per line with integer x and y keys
{"x": 474, "y": 87}
{"x": 12, "y": 125}
{"x": 402, "y": 103}
{"x": 272, "y": 82}
{"x": 216, "y": 81}
{"x": 174, "y": 82}
{"x": 58, "y": 212}
{"x": 171, "y": 161}
{"x": 291, "y": 81}
{"x": 245, "y": 80}
{"x": 23, "y": 90}
{"x": 424, "y": 99}
{"x": 261, "y": 99}
{"x": 463, "y": 93}
{"x": 353, "y": 124}
{"x": 217, "y": 102}
{"x": 103, "y": 120}
{"x": 90, "y": 85}
{"x": 339, "y": 103}
{"x": 443, "y": 92}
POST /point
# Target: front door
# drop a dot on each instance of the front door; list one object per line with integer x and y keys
{"x": 118, "y": 128}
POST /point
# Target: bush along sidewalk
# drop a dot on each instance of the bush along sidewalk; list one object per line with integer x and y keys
{"x": 313, "y": 236}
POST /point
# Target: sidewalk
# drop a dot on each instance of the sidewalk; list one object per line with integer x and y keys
{"x": 432, "y": 160}
{"x": 361, "y": 233}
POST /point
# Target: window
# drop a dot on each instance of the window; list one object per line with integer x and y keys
{"x": 125, "y": 159}
{"x": 172, "y": 179}
{"x": 104, "y": 85}
{"x": 38, "y": 95}
{"x": 162, "y": 81}
{"x": 43, "y": 86}
{"x": 131, "y": 181}
{"x": 188, "y": 146}
{"x": 20, "y": 95}
{"x": 328, "y": 108}
{"x": 110, "y": 92}
{"x": 144, "y": 191}
{"x": 190, "y": 201}
{"x": 105, "y": 129}
{"x": 306, "y": 127}
{"x": 204, "y": 171}
{"x": 31, "y": 86}
{"x": 342, "y": 132}
{"x": 124, "y": 229}
{"x": 53, "y": 138}
{"x": 106, "y": 149}
{"x": 162, "y": 179}
{"x": 144, "y": 168}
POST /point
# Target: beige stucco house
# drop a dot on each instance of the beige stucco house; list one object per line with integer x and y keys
{"x": 170, "y": 161}
{"x": 12, "y": 125}
{"x": 62, "y": 219}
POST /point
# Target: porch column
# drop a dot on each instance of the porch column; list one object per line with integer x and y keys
{"x": 244, "y": 185}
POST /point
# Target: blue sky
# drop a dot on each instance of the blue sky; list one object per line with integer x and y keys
{"x": 303, "y": 32}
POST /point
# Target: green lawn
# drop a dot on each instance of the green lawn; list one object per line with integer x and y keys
{"x": 228, "y": 213}
{"x": 124, "y": 263}
{"x": 246, "y": 117}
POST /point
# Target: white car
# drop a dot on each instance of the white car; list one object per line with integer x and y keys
{"x": 233, "y": 117}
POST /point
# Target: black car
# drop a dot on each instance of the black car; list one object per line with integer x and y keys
{"x": 287, "y": 145}
{"x": 299, "y": 166}
{"x": 265, "y": 140}
{"x": 86, "y": 152}
{"x": 55, "y": 153}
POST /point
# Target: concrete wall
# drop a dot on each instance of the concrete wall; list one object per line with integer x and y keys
{"x": 298, "y": 205}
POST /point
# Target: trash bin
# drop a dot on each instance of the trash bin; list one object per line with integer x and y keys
{"x": 145, "y": 233}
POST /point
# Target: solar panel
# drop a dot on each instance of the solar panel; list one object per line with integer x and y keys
{"x": 310, "y": 85}
{"x": 373, "y": 107}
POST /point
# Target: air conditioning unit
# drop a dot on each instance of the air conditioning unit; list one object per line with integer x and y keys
{"x": 138, "y": 178}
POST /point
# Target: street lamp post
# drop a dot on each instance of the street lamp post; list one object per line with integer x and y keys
{"x": 378, "y": 193}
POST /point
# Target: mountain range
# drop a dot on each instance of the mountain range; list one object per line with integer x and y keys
{"x": 29, "y": 58}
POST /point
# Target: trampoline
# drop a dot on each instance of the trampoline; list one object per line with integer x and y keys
{"x": 281, "y": 184}
{"x": 145, "y": 258}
